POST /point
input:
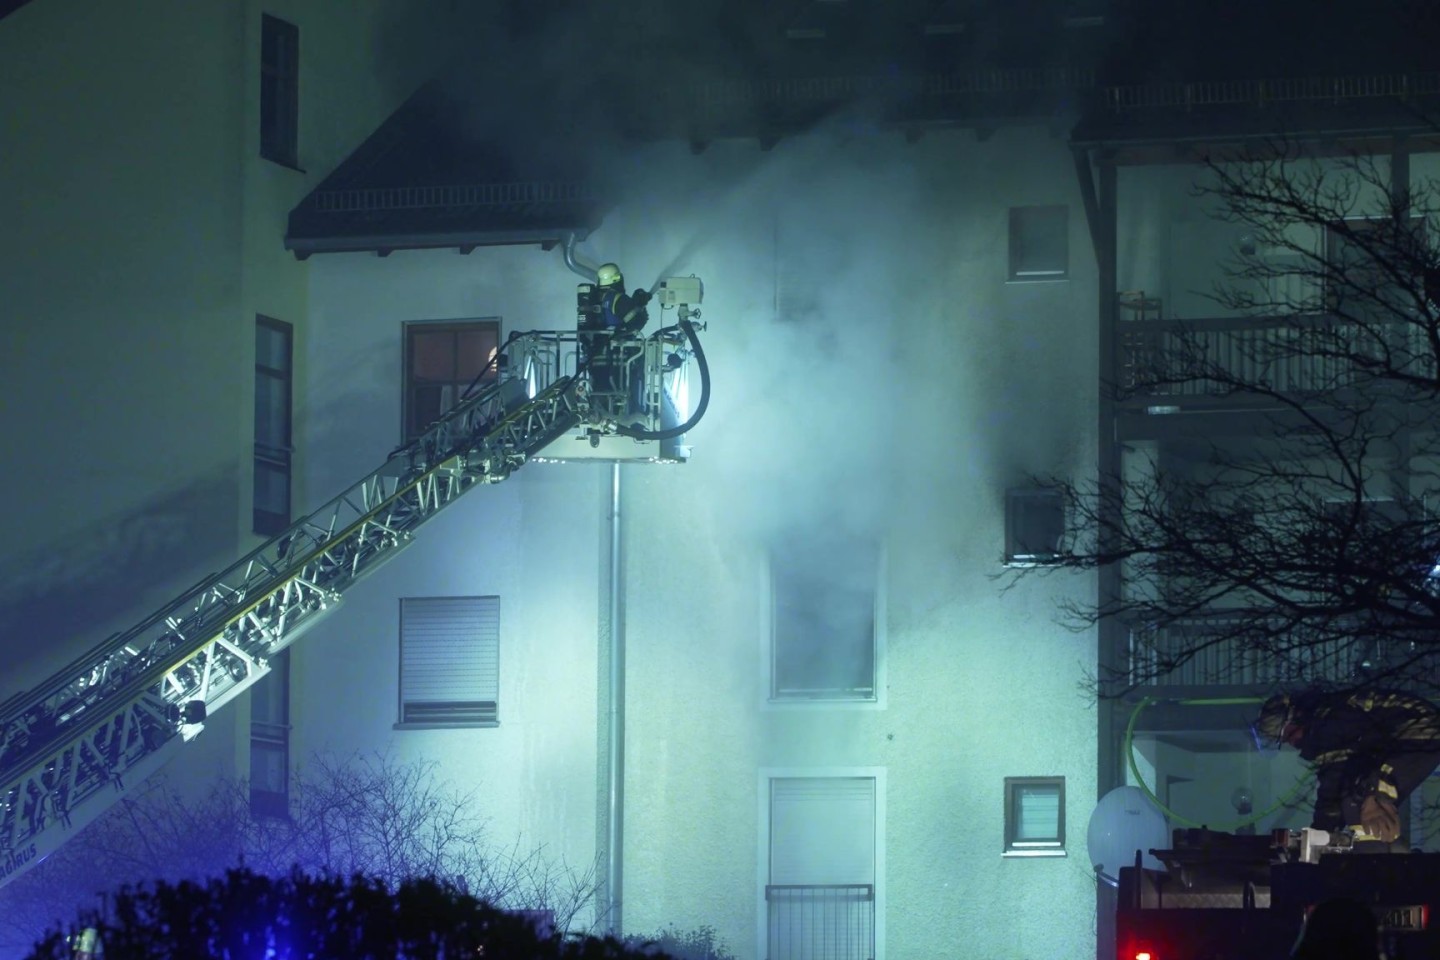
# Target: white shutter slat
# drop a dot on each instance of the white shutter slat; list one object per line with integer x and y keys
{"x": 1039, "y": 814}
{"x": 822, "y": 830}
{"x": 450, "y": 659}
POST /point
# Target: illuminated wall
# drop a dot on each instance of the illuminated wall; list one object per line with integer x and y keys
{"x": 874, "y": 373}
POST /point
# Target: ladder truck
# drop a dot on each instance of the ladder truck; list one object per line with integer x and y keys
{"x": 72, "y": 746}
{"x": 1226, "y": 896}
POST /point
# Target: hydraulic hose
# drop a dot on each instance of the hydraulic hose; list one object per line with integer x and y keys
{"x": 1284, "y": 801}
{"x": 700, "y": 362}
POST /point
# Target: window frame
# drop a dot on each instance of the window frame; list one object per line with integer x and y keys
{"x": 474, "y": 714}
{"x": 273, "y": 733}
{"x": 1024, "y": 500}
{"x": 410, "y": 329}
{"x": 1018, "y": 268}
{"x": 279, "y": 104}
{"x": 764, "y": 843}
{"x": 274, "y": 458}
{"x": 1016, "y": 846}
{"x": 771, "y": 697}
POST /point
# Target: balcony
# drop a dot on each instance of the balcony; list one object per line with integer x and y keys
{"x": 1205, "y": 653}
{"x": 1174, "y": 366}
{"x": 821, "y": 921}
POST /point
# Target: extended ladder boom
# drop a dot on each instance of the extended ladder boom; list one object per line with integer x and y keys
{"x": 69, "y": 748}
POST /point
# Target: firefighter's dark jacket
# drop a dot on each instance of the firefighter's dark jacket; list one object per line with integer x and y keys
{"x": 622, "y": 312}
{"x": 1372, "y": 742}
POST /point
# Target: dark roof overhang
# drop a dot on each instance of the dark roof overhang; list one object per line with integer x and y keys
{"x": 1178, "y": 122}
{"x": 423, "y": 180}
{"x": 463, "y": 216}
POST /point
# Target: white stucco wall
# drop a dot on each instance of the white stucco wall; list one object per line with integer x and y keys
{"x": 534, "y": 541}
{"x": 923, "y": 386}
{"x": 921, "y": 389}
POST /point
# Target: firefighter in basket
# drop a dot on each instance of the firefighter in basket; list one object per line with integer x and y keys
{"x": 1370, "y": 749}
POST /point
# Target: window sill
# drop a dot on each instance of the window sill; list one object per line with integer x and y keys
{"x": 802, "y": 703}
{"x": 1026, "y": 563}
{"x": 1030, "y": 854}
{"x": 287, "y": 164}
{"x": 1016, "y": 280}
{"x": 441, "y": 725}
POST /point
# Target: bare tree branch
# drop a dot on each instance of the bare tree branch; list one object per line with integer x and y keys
{"x": 364, "y": 814}
{"x": 1303, "y": 548}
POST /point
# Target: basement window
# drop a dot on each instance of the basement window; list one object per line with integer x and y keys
{"x": 1034, "y": 817}
{"x": 1034, "y": 526}
{"x": 1039, "y": 243}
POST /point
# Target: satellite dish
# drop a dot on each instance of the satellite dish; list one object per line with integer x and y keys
{"x": 1125, "y": 820}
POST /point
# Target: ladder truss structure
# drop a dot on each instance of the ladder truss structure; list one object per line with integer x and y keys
{"x": 71, "y": 747}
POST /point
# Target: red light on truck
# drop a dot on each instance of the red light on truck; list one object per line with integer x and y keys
{"x": 1144, "y": 955}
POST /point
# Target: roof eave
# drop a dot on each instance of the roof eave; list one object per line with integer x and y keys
{"x": 465, "y": 241}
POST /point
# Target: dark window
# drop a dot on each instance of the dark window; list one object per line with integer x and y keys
{"x": 1034, "y": 526}
{"x": 1371, "y": 265}
{"x": 270, "y": 740}
{"x": 449, "y": 661}
{"x": 443, "y": 360}
{"x": 823, "y": 596}
{"x": 1039, "y": 243}
{"x": 279, "y": 90}
{"x": 1034, "y": 816}
{"x": 274, "y": 349}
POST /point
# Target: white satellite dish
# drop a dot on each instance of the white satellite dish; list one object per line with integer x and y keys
{"x": 1124, "y": 821}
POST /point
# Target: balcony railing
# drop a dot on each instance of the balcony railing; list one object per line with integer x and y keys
{"x": 1301, "y": 354}
{"x": 821, "y": 921}
{"x": 1260, "y": 93}
{"x": 1216, "y": 658}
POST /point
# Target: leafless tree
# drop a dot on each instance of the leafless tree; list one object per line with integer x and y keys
{"x": 1283, "y": 533}
{"x": 367, "y": 814}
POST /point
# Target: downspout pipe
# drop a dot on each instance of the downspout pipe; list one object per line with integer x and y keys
{"x": 615, "y": 787}
{"x": 582, "y": 267}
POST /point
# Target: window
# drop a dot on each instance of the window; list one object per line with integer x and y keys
{"x": 1039, "y": 243}
{"x": 1367, "y": 262}
{"x": 442, "y": 361}
{"x": 1034, "y": 526}
{"x": 820, "y": 896}
{"x": 1034, "y": 816}
{"x": 449, "y": 661}
{"x": 823, "y": 620}
{"x": 801, "y": 274}
{"x": 279, "y": 90}
{"x": 270, "y": 740}
{"x": 274, "y": 350}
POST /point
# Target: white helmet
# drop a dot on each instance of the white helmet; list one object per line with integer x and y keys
{"x": 608, "y": 275}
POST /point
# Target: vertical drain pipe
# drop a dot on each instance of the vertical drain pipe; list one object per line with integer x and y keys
{"x": 614, "y": 855}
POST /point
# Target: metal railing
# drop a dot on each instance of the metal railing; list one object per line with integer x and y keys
{"x": 811, "y": 90}
{"x": 450, "y": 196}
{"x": 820, "y": 921}
{"x": 1306, "y": 353}
{"x": 1213, "y": 654}
{"x": 1188, "y": 95}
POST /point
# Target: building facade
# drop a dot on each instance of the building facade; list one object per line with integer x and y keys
{"x": 791, "y": 689}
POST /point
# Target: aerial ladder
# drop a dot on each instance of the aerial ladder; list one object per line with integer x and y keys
{"x": 72, "y": 746}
